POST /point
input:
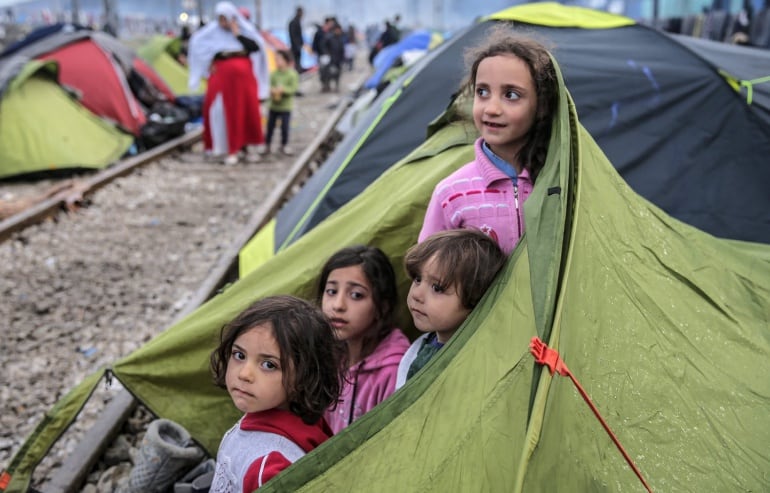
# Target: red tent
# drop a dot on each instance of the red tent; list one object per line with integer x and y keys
{"x": 110, "y": 79}
{"x": 104, "y": 90}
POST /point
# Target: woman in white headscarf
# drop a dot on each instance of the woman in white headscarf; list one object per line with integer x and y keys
{"x": 231, "y": 53}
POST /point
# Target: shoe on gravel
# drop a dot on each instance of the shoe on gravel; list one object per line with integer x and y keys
{"x": 198, "y": 479}
{"x": 253, "y": 157}
{"x": 286, "y": 151}
{"x": 167, "y": 452}
{"x": 231, "y": 160}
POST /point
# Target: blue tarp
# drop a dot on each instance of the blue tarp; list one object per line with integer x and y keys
{"x": 416, "y": 40}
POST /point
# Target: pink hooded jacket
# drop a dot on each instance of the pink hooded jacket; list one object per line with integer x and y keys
{"x": 369, "y": 381}
{"x": 479, "y": 196}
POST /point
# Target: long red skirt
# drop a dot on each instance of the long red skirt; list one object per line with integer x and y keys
{"x": 233, "y": 81}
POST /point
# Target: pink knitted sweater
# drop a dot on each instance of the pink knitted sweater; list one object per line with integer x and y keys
{"x": 479, "y": 196}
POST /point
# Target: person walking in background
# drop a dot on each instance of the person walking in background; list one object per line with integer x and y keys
{"x": 284, "y": 82}
{"x": 397, "y": 30}
{"x": 741, "y": 28}
{"x": 230, "y": 52}
{"x": 296, "y": 40}
{"x": 351, "y": 46}
{"x": 335, "y": 49}
{"x": 388, "y": 37}
{"x": 320, "y": 49}
{"x": 184, "y": 43}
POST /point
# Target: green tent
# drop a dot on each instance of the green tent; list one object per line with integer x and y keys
{"x": 42, "y": 127}
{"x": 159, "y": 52}
{"x": 662, "y": 324}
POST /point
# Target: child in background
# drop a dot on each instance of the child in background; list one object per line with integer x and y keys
{"x": 280, "y": 363}
{"x": 284, "y": 83}
{"x": 515, "y": 90}
{"x": 450, "y": 273}
{"x": 357, "y": 291}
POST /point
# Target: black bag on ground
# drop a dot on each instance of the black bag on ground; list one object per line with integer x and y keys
{"x": 165, "y": 121}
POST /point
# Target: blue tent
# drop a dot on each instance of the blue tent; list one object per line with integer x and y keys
{"x": 416, "y": 40}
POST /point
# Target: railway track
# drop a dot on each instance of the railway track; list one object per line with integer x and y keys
{"x": 67, "y": 468}
{"x": 71, "y": 194}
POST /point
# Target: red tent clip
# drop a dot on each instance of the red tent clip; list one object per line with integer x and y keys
{"x": 547, "y": 356}
{"x": 550, "y": 358}
{"x": 5, "y": 480}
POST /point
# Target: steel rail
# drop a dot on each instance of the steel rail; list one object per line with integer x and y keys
{"x": 50, "y": 206}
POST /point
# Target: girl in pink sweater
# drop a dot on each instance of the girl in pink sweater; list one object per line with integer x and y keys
{"x": 515, "y": 95}
{"x": 357, "y": 292}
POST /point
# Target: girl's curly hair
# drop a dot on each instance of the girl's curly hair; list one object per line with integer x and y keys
{"x": 311, "y": 357}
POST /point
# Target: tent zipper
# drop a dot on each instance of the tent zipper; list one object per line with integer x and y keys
{"x": 516, "y": 203}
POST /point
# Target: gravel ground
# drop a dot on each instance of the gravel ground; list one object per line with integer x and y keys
{"x": 87, "y": 288}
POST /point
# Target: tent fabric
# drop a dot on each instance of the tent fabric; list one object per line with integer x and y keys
{"x": 556, "y": 15}
{"x": 42, "y": 127}
{"x": 258, "y": 250}
{"x": 100, "y": 68}
{"x": 132, "y": 66}
{"x": 78, "y": 62}
{"x": 671, "y": 125}
{"x": 157, "y": 52}
{"x": 39, "y": 34}
{"x": 145, "y": 70}
{"x": 740, "y": 63}
{"x": 39, "y": 442}
{"x": 652, "y": 315}
{"x": 662, "y": 323}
